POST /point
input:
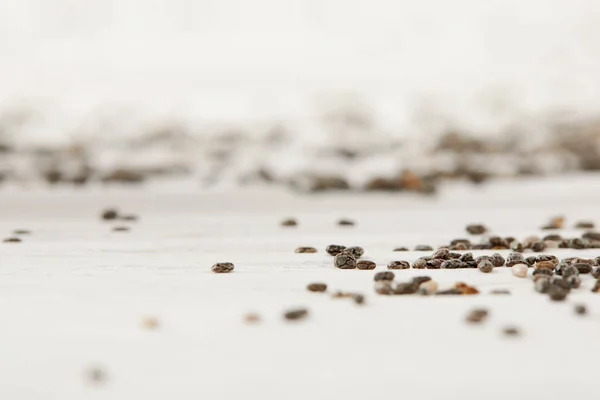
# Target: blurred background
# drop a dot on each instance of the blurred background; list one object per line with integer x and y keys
{"x": 311, "y": 94}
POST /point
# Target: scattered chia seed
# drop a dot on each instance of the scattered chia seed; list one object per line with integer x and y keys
{"x": 585, "y": 225}
{"x": 481, "y": 246}
{"x": 595, "y": 236}
{"x": 359, "y": 298}
{"x": 383, "y": 287}
{"x": 553, "y": 237}
{"x": 96, "y": 375}
{"x": 344, "y": 261}
{"x": 306, "y": 250}
{"x": 420, "y": 263}
{"x": 355, "y": 251}
{"x": 365, "y": 265}
{"x": 542, "y": 285}
{"x": 583, "y": 268}
{"x": 544, "y": 264}
{"x": 497, "y": 260}
{"x": 405, "y": 288}
{"x": 596, "y": 273}
{"x": 441, "y": 254}
{"x": 531, "y": 260}
{"x": 398, "y": 265}
{"x": 22, "y": 232}
{"x": 222, "y": 268}
{"x": 498, "y": 243}
{"x": 423, "y": 247}
{"x": 485, "y": 266}
{"x": 345, "y": 222}
{"x": 454, "y": 256}
{"x": 543, "y": 271}
{"x": 12, "y": 240}
{"x": 401, "y": 249}
{"x": 457, "y": 241}
{"x": 110, "y": 214}
{"x": 577, "y": 244}
{"x": 449, "y": 292}
{"x": 580, "y": 309}
{"x": 557, "y": 293}
{"x": 555, "y": 223}
{"x": 596, "y": 287}
{"x": 317, "y": 287}
{"x": 476, "y": 229}
{"x": 289, "y": 222}
{"x": 511, "y": 331}
{"x": 434, "y": 264}
{"x": 121, "y": 229}
{"x": 538, "y": 247}
{"x": 568, "y": 271}
{"x": 296, "y": 314}
{"x": 477, "y": 315}
{"x": 384, "y": 276}
{"x": 517, "y": 246}
{"x": 460, "y": 246}
{"x": 334, "y": 249}
{"x": 418, "y": 280}
{"x": 500, "y": 291}
{"x": 467, "y": 257}
{"x": 452, "y": 264}
{"x": 129, "y": 218}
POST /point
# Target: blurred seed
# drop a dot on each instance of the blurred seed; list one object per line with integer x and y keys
{"x": 555, "y": 223}
{"x": 596, "y": 273}
{"x": 542, "y": 271}
{"x": 96, "y": 375}
{"x": 334, "y": 249}
{"x": 441, "y": 254}
{"x": 289, "y": 222}
{"x": 511, "y": 331}
{"x": 595, "y": 236}
{"x": 150, "y": 323}
{"x": 383, "y": 287}
{"x": 477, "y": 315}
{"x": 569, "y": 270}
{"x": 401, "y": 249}
{"x": 129, "y": 218}
{"x": 12, "y": 240}
{"x": 428, "y": 287}
{"x": 547, "y": 257}
{"x": 583, "y": 268}
{"x": 110, "y": 214}
{"x": 306, "y": 250}
{"x": 252, "y": 318}
{"x": 463, "y": 241}
{"x": 531, "y": 261}
{"x": 355, "y": 251}
{"x": 359, "y": 299}
{"x": 449, "y": 292}
{"x": 423, "y": 247}
{"x": 22, "y": 232}
{"x": 405, "y": 288}
{"x": 418, "y": 280}
{"x": 296, "y": 314}
{"x": 384, "y": 276}
{"x": 498, "y": 243}
{"x": 476, "y": 229}
{"x": 509, "y": 239}
{"x": 345, "y": 222}
{"x": 580, "y": 309}
{"x": 121, "y": 229}
{"x": 517, "y": 246}
{"x": 538, "y": 247}
{"x": 460, "y": 246}
{"x": 420, "y": 263}
{"x": 554, "y": 237}
{"x": 343, "y": 295}
{"x": 497, "y": 260}
{"x": 222, "y": 268}
{"x": 344, "y": 261}
{"x": 557, "y": 293}
{"x": 317, "y": 287}
{"x": 530, "y": 240}
{"x": 596, "y": 287}
{"x": 398, "y": 265}
{"x": 365, "y": 265}
{"x": 574, "y": 281}
{"x": 544, "y": 264}
{"x": 454, "y": 256}
{"x": 452, "y": 264}
{"x": 585, "y": 225}
{"x": 577, "y": 244}
{"x": 499, "y": 291}
{"x": 485, "y": 266}
{"x": 434, "y": 264}
{"x": 519, "y": 270}
{"x": 467, "y": 257}
{"x": 542, "y": 285}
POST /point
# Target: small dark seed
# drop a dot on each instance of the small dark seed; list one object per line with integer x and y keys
{"x": 596, "y": 287}
{"x": 554, "y": 237}
{"x": 543, "y": 271}
{"x": 544, "y": 264}
{"x": 306, "y": 250}
{"x": 517, "y": 246}
{"x": 401, "y": 249}
{"x": 129, "y": 218}
{"x": 417, "y": 280}
{"x": 355, "y": 251}
{"x": 583, "y": 268}
{"x": 531, "y": 261}
{"x": 460, "y": 246}
{"x": 476, "y": 229}
{"x": 514, "y": 259}
{"x": 405, "y": 288}
{"x": 481, "y": 246}
{"x": 457, "y": 241}
{"x": 454, "y": 256}
{"x": 580, "y": 309}
{"x": 222, "y": 268}
{"x": 344, "y": 261}
{"x": 252, "y": 318}
{"x": 110, "y": 214}
{"x": 296, "y": 314}
{"x": 96, "y": 375}
{"x": 485, "y": 266}
{"x": 574, "y": 281}
{"x": 538, "y": 247}
{"x": 585, "y": 225}
{"x": 497, "y": 260}
{"x": 423, "y": 247}
{"x": 317, "y": 287}
{"x": 498, "y": 243}
{"x": 441, "y": 254}
{"x": 121, "y": 229}
{"x": 452, "y": 264}
{"x": 22, "y": 232}
{"x": 477, "y": 315}
{"x": 365, "y": 265}
{"x": 383, "y": 287}
{"x": 289, "y": 222}
{"x": 345, "y": 222}
{"x": 595, "y": 236}
{"x": 500, "y": 291}
{"x": 334, "y": 249}
{"x": 596, "y": 273}
{"x": 420, "y": 263}
{"x": 398, "y": 265}
{"x": 542, "y": 285}
{"x": 568, "y": 271}
{"x": 511, "y": 331}
{"x": 577, "y": 244}
{"x": 557, "y": 293}
{"x": 12, "y": 240}
{"x": 467, "y": 257}
{"x": 449, "y": 292}
{"x": 384, "y": 276}
{"x": 434, "y": 264}
{"x": 359, "y": 298}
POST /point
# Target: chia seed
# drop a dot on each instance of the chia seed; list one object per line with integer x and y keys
{"x": 110, "y": 214}
{"x": 289, "y": 222}
{"x": 434, "y": 264}
{"x": 497, "y": 260}
{"x": 344, "y": 261}
{"x": 121, "y": 229}
{"x": 511, "y": 331}
{"x": 401, "y": 249}
{"x": 583, "y": 268}
{"x": 405, "y": 288}
{"x": 553, "y": 237}
{"x": 538, "y": 247}
{"x": 384, "y": 276}
{"x": 359, "y": 299}
{"x": 222, "y": 268}
{"x": 514, "y": 259}
{"x": 498, "y": 243}
{"x": 334, "y": 249}
{"x": 577, "y": 244}
{"x": 567, "y": 271}
{"x": 12, "y": 240}
{"x": 542, "y": 285}
{"x": 96, "y": 375}
{"x": 420, "y": 263}
{"x": 531, "y": 260}
{"x": 500, "y": 291}
{"x": 383, "y": 287}
{"x": 517, "y": 246}
{"x": 129, "y": 218}
{"x": 296, "y": 314}
{"x": 544, "y": 264}
{"x": 423, "y": 247}
{"x": 306, "y": 250}
{"x": 398, "y": 265}
{"x": 345, "y": 222}
{"x": 580, "y": 309}
{"x": 449, "y": 292}
{"x": 557, "y": 293}
{"x": 596, "y": 287}
{"x": 477, "y": 315}
{"x": 574, "y": 281}
{"x": 22, "y": 232}
{"x": 476, "y": 229}
{"x": 543, "y": 271}
{"x": 418, "y": 280}
{"x": 441, "y": 254}
{"x": 454, "y": 256}
{"x": 365, "y": 265}
{"x": 252, "y": 318}
{"x": 467, "y": 257}
{"x": 317, "y": 287}
{"x": 452, "y": 264}
{"x": 355, "y": 251}
{"x": 595, "y": 236}
{"x": 428, "y": 288}
{"x": 585, "y": 225}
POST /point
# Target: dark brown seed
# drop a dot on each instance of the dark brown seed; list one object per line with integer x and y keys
{"x": 359, "y": 298}
{"x": 434, "y": 264}
{"x": 476, "y": 229}
{"x": 417, "y": 280}
{"x": 585, "y": 225}
{"x": 485, "y": 266}
{"x": 477, "y": 315}
{"x": 510, "y": 239}
{"x": 595, "y": 236}
{"x": 110, "y": 214}
{"x": 334, "y": 249}
{"x": 500, "y": 291}
{"x": 561, "y": 283}
{"x": 355, "y": 251}
{"x": 420, "y": 263}
{"x": 511, "y": 331}
{"x": 547, "y": 257}
{"x": 514, "y": 259}
{"x": 531, "y": 261}
{"x": 544, "y": 264}
{"x": 365, "y": 265}
{"x": 454, "y": 256}
{"x": 252, "y": 318}
{"x": 344, "y": 261}
{"x": 441, "y": 254}
{"x": 460, "y": 246}
{"x": 580, "y": 309}
{"x": 583, "y": 268}
{"x": 498, "y": 243}
{"x": 222, "y": 268}
{"x": 306, "y": 250}
{"x": 554, "y": 237}
{"x": 457, "y": 241}
{"x": 384, "y": 276}
{"x": 295, "y": 314}
{"x": 538, "y": 247}
{"x": 96, "y": 375}
{"x": 452, "y": 264}
{"x": 12, "y": 240}
{"x": 467, "y": 257}
{"x": 22, "y": 232}
{"x": 345, "y": 222}
{"x": 121, "y": 229}
{"x": 343, "y": 295}
{"x": 383, "y": 287}
{"x": 401, "y": 249}
{"x": 129, "y": 218}
{"x": 405, "y": 288}
{"x": 481, "y": 246}
{"x": 289, "y": 222}
{"x": 497, "y": 260}
{"x": 449, "y": 292}
{"x": 317, "y": 287}
{"x": 423, "y": 247}
{"x": 398, "y": 265}
{"x": 577, "y": 244}
{"x": 584, "y": 261}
